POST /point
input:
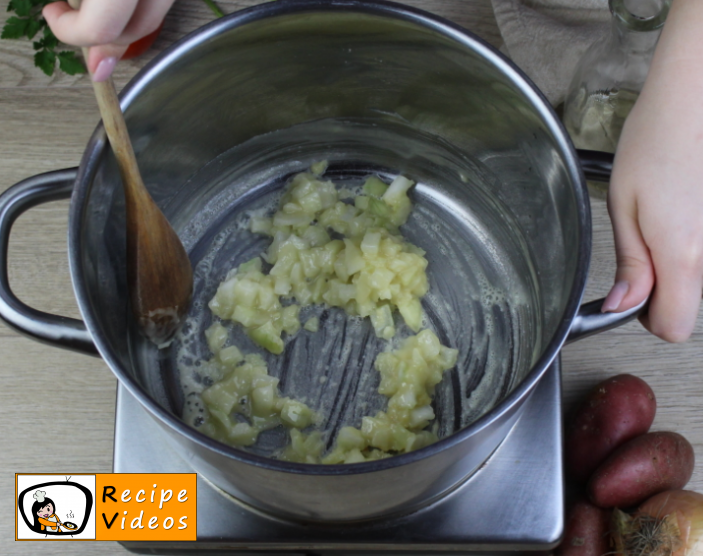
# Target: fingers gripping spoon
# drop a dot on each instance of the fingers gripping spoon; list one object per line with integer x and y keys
{"x": 159, "y": 273}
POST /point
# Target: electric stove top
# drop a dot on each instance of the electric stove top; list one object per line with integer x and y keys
{"x": 514, "y": 504}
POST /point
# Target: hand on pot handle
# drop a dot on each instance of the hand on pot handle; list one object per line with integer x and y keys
{"x": 656, "y": 190}
{"x": 107, "y": 26}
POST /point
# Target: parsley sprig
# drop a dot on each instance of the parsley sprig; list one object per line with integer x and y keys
{"x": 28, "y": 22}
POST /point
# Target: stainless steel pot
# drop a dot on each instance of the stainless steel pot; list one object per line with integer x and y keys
{"x": 219, "y": 122}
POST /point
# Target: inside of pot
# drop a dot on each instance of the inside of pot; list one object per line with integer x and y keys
{"x": 224, "y": 121}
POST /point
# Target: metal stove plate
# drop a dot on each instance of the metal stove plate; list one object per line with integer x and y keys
{"x": 513, "y": 504}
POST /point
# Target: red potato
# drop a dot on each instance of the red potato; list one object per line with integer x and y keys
{"x": 641, "y": 468}
{"x": 617, "y": 410}
{"x": 586, "y": 532}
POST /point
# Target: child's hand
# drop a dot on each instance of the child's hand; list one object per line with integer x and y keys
{"x": 656, "y": 192}
{"x": 108, "y": 26}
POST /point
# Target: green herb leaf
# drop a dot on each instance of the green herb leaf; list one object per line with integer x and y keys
{"x": 14, "y": 28}
{"x": 70, "y": 63}
{"x": 22, "y": 8}
{"x": 27, "y": 22}
{"x": 33, "y": 28}
{"x": 213, "y": 7}
{"x": 45, "y": 60}
{"x": 49, "y": 41}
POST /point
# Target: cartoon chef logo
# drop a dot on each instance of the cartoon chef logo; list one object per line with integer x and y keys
{"x": 55, "y": 509}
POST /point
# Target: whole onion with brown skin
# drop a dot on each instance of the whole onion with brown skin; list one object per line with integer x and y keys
{"x": 668, "y": 524}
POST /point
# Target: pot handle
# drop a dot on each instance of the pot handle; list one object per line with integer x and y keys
{"x": 598, "y": 166}
{"x": 590, "y": 320}
{"x": 44, "y": 327}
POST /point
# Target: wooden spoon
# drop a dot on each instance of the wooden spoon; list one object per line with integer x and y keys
{"x": 159, "y": 273}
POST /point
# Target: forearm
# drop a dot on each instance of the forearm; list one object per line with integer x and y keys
{"x": 656, "y": 191}
{"x": 670, "y": 106}
{"x": 677, "y": 66}
{"x": 682, "y": 36}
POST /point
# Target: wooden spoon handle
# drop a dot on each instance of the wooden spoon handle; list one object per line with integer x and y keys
{"x": 117, "y": 134}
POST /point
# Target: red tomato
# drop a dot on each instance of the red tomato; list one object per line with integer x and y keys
{"x": 137, "y": 48}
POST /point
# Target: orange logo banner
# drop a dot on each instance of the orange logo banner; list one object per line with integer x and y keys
{"x": 106, "y": 507}
{"x": 145, "y": 507}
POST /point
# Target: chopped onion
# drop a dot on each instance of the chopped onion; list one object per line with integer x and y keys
{"x": 409, "y": 375}
{"x": 370, "y": 272}
{"x": 246, "y": 401}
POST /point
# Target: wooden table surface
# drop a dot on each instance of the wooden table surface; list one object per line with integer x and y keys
{"x": 45, "y": 124}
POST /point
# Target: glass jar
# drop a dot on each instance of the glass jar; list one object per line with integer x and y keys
{"x": 611, "y": 74}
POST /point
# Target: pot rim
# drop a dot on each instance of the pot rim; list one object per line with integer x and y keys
{"x": 465, "y": 38}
